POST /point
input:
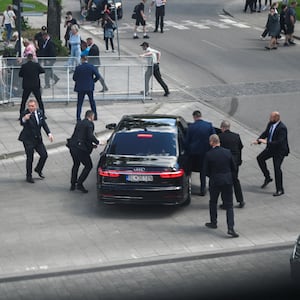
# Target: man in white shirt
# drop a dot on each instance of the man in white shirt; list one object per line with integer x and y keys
{"x": 154, "y": 58}
{"x": 159, "y": 13}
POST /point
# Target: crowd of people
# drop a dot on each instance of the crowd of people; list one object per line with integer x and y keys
{"x": 278, "y": 22}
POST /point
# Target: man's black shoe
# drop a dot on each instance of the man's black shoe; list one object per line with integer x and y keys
{"x": 81, "y": 188}
{"x": 72, "y": 188}
{"x": 166, "y": 94}
{"x": 241, "y": 204}
{"x": 202, "y": 193}
{"x": 39, "y": 173}
{"x": 155, "y": 30}
{"x": 278, "y": 193}
{"x": 211, "y": 225}
{"x": 266, "y": 182}
{"x": 232, "y": 233}
{"x": 29, "y": 179}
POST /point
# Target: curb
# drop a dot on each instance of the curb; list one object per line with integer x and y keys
{"x": 143, "y": 262}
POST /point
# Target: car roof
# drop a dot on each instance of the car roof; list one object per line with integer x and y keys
{"x": 149, "y": 121}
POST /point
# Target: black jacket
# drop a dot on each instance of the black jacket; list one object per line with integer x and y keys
{"x": 48, "y": 49}
{"x": 31, "y": 133}
{"x": 30, "y": 72}
{"x": 279, "y": 144}
{"x": 232, "y": 141}
{"x": 219, "y": 166}
{"x": 83, "y": 136}
{"x": 94, "y": 55}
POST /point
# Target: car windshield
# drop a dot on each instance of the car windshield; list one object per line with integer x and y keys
{"x": 144, "y": 143}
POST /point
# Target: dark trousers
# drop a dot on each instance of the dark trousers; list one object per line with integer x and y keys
{"x": 111, "y": 43}
{"x": 80, "y": 99}
{"x": 250, "y": 4}
{"x": 227, "y": 197}
{"x": 80, "y": 157}
{"x": 37, "y": 94}
{"x": 49, "y": 72}
{"x": 196, "y": 165}
{"x": 157, "y": 75}
{"x": 237, "y": 187}
{"x": 39, "y": 147}
{"x": 277, "y": 161}
{"x": 159, "y": 17}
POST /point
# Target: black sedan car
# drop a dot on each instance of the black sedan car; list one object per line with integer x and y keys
{"x": 144, "y": 162}
{"x": 295, "y": 261}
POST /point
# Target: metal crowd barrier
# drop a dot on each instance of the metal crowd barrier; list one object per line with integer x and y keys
{"x": 124, "y": 77}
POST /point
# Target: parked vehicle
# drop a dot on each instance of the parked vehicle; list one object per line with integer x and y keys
{"x": 295, "y": 261}
{"x": 144, "y": 162}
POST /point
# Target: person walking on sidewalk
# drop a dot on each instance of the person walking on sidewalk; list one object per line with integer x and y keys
{"x": 30, "y": 72}
{"x": 153, "y": 59}
{"x": 140, "y": 19}
{"x": 108, "y": 26}
{"x": 85, "y": 76}
{"x": 232, "y": 141}
{"x": 275, "y": 137}
{"x": 48, "y": 51}
{"x": 274, "y": 28}
{"x": 219, "y": 167}
{"x": 32, "y": 120}
{"x": 159, "y": 13}
{"x": 81, "y": 145}
{"x": 290, "y": 20}
{"x": 197, "y": 145}
{"x": 94, "y": 59}
{"x": 8, "y": 21}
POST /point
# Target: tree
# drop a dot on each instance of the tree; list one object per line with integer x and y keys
{"x": 54, "y": 18}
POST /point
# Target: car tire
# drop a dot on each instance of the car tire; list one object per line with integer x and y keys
{"x": 189, "y": 196}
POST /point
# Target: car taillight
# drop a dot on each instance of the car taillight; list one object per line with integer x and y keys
{"x": 108, "y": 173}
{"x": 145, "y": 135}
{"x": 175, "y": 174}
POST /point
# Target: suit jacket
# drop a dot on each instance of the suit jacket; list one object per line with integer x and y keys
{"x": 279, "y": 144}
{"x": 219, "y": 166}
{"x": 30, "y": 72}
{"x": 83, "y": 136}
{"x": 85, "y": 76}
{"x": 94, "y": 55}
{"x": 197, "y": 140}
{"x": 31, "y": 132}
{"x": 232, "y": 141}
{"x": 49, "y": 50}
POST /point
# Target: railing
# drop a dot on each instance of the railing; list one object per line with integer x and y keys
{"x": 124, "y": 77}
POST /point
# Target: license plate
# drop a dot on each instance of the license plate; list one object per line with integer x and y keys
{"x": 139, "y": 178}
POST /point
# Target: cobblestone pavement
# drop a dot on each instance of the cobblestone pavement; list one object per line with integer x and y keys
{"x": 260, "y": 275}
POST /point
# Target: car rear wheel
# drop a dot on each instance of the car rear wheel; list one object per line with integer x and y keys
{"x": 189, "y": 193}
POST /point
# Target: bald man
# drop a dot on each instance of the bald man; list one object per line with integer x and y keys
{"x": 277, "y": 147}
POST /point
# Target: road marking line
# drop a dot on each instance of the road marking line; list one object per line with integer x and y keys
{"x": 213, "y": 44}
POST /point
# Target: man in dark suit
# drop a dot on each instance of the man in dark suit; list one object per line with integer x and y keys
{"x": 30, "y": 72}
{"x": 197, "y": 144}
{"x": 277, "y": 147}
{"x": 49, "y": 52}
{"x": 94, "y": 59}
{"x": 81, "y": 145}
{"x": 85, "y": 76}
{"x": 33, "y": 120}
{"x": 219, "y": 167}
{"x": 232, "y": 141}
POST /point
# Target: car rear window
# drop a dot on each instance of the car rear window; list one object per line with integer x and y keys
{"x": 143, "y": 143}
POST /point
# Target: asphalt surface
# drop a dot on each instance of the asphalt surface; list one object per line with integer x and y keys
{"x": 265, "y": 222}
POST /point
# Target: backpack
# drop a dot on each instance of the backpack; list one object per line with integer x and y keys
{"x": 134, "y": 14}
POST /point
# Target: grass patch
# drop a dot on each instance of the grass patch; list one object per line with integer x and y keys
{"x": 39, "y": 7}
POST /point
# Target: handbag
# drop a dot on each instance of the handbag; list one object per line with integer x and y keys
{"x": 114, "y": 26}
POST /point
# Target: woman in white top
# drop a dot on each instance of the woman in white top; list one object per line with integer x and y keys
{"x": 8, "y": 21}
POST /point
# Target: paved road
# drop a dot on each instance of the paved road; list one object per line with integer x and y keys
{"x": 261, "y": 275}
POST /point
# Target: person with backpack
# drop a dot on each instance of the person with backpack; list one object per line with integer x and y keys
{"x": 140, "y": 19}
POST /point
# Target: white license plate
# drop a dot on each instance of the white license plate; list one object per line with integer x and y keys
{"x": 139, "y": 178}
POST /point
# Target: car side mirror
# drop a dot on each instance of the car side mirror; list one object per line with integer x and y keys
{"x": 111, "y": 126}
